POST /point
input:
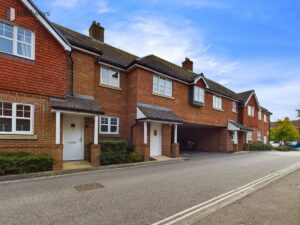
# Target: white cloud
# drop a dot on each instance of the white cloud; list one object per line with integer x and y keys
{"x": 195, "y": 3}
{"x": 103, "y": 7}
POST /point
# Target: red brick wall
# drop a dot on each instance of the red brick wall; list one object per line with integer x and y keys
{"x": 44, "y": 125}
{"x": 248, "y": 120}
{"x": 48, "y": 73}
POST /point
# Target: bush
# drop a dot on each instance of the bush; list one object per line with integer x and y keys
{"x": 260, "y": 147}
{"x": 21, "y": 162}
{"x": 283, "y": 148}
{"x": 113, "y": 152}
{"x": 135, "y": 157}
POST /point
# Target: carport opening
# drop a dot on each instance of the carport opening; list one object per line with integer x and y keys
{"x": 202, "y": 138}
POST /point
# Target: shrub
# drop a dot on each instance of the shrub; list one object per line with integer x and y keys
{"x": 113, "y": 152}
{"x": 135, "y": 157}
{"x": 260, "y": 147}
{"x": 21, "y": 162}
{"x": 283, "y": 148}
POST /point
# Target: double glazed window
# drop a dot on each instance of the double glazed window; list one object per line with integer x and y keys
{"x": 16, "y": 118}
{"x": 234, "y": 107}
{"x": 199, "y": 94}
{"x": 162, "y": 86}
{"x": 265, "y": 118}
{"x": 250, "y": 111}
{"x": 259, "y": 135}
{"x": 217, "y": 103}
{"x": 109, "y": 125}
{"x": 259, "y": 114}
{"x": 16, "y": 41}
{"x": 249, "y": 136}
{"x": 110, "y": 77}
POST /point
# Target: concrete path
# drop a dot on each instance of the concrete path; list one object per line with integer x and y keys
{"x": 133, "y": 196}
{"x": 276, "y": 204}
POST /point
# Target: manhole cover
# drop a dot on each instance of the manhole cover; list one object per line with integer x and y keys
{"x": 88, "y": 187}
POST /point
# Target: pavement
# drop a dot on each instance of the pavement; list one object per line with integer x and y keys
{"x": 276, "y": 204}
{"x": 140, "y": 195}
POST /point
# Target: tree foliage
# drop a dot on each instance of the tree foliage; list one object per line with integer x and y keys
{"x": 284, "y": 131}
{"x": 298, "y": 111}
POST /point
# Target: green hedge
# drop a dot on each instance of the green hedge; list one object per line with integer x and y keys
{"x": 260, "y": 147}
{"x": 134, "y": 157}
{"x": 21, "y": 162}
{"x": 283, "y": 148}
{"x": 113, "y": 152}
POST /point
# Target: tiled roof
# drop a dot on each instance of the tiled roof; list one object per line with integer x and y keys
{"x": 239, "y": 125}
{"x": 76, "y": 103}
{"x": 218, "y": 88}
{"x": 243, "y": 96}
{"x": 159, "y": 113}
{"x": 109, "y": 53}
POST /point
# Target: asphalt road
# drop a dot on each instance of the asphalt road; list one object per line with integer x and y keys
{"x": 134, "y": 196}
{"x": 276, "y": 204}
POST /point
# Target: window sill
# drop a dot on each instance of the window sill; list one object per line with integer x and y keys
{"x": 164, "y": 96}
{"x": 235, "y": 112}
{"x": 110, "y": 87}
{"x": 110, "y": 136}
{"x": 221, "y": 110}
{"x": 18, "y": 137}
{"x": 32, "y": 60}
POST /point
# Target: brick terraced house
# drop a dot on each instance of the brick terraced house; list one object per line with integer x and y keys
{"x": 61, "y": 92}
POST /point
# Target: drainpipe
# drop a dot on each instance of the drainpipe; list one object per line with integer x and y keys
{"x": 71, "y": 74}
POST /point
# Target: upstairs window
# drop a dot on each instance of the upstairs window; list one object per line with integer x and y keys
{"x": 110, "y": 77}
{"x": 234, "y": 107}
{"x": 16, "y": 118}
{"x": 265, "y": 118}
{"x": 17, "y": 41}
{"x": 217, "y": 103}
{"x": 162, "y": 86}
{"x": 259, "y": 114}
{"x": 199, "y": 94}
{"x": 109, "y": 125}
{"x": 250, "y": 111}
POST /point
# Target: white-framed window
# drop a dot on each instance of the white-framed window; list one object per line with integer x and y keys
{"x": 250, "y": 110}
{"x": 17, "y": 41}
{"x": 16, "y": 118}
{"x": 265, "y": 118}
{"x": 234, "y": 107}
{"x": 259, "y": 135}
{"x": 199, "y": 94}
{"x": 162, "y": 86}
{"x": 217, "y": 103}
{"x": 259, "y": 114}
{"x": 110, "y": 77}
{"x": 249, "y": 136}
{"x": 109, "y": 125}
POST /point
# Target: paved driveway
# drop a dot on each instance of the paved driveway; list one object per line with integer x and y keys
{"x": 134, "y": 196}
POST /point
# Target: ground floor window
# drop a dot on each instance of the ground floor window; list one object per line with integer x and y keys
{"x": 16, "y": 118}
{"x": 259, "y": 135}
{"x": 249, "y": 136}
{"x": 109, "y": 125}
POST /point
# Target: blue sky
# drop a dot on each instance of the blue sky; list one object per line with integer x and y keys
{"x": 241, "y": 44}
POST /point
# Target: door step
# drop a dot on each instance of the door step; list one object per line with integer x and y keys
{"x": 160, "y": 158}
{"x": 71, "y": 165}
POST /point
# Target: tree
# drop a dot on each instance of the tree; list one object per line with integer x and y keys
{"x": 285, "y": 131}
{"x": 298, "y": 111}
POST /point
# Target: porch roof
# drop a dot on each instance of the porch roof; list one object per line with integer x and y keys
{"x": 157, "y": 113}
{"x": 235, "y": 125}
{"x": 77, "y": 103}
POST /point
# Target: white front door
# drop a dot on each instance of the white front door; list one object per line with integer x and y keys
{"x": 155, "y": 139}
{"x": 73, "y": 130}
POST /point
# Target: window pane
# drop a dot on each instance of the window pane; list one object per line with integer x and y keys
{"x": 105, "y": 76}
{"x": 6, "y": 46}
{"x": 7, "y": 109}
{"x": 104, "y": 120}
{"x": 113, "y": 121}
{"x": 23, "y": 125}
{"x": 6, "y": 30}
{"x": 5, "y": 125}
{"x": 113, "y": 129}
{"x": 155, "y": 80}
{"x": 104, "y": 128}
{"x": 24, "y": 50}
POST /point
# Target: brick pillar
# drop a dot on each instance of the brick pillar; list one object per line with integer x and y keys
{"x": 146, "y": 152}
{"x": 166, "y": 139}
{"x": 95, "y": 154}
{"x": 57, "y": 153}
{"x": 175, "y": 150}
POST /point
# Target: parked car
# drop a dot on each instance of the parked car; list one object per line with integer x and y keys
{"x": 295, "y": 144}
{"x": 275, "y": 143}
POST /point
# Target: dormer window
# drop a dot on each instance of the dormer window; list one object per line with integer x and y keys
{"x": 250, "y": 111}
{"x": 199, "y": 95}
{"x": 110, "y": 77}
{"x": 17, "y": 41}
{"x": 259, "y": 114}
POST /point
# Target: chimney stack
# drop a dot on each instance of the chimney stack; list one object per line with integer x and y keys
{"x": 187, "y": 64}
{"x": 96, "y": 31}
